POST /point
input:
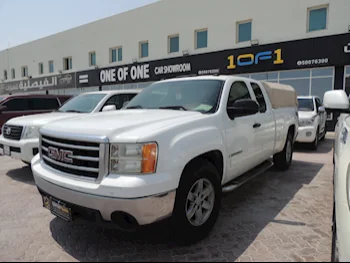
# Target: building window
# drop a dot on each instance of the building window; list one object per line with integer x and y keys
{"x": 174, "y": 44}
{"x": 144, "y": 49}
{"x": 5, "y": 74}
{"x": 116, "y": 54}
{"x": 92, "y": 58}
{"x": 67, "y": 63}
{"x": 318, "y": 17}
{"x": 13, "y": 73}
{"x": 41, "y": 68}
{"x": 201, "y": 37}
{"x": 347, "y": 79}
{"x": 244, "y": 31}
{"x": 24, "y": 71}
{"x": 51, "y": 66}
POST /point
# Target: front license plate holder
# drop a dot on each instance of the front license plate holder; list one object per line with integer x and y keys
{"x": 61, "y": 210}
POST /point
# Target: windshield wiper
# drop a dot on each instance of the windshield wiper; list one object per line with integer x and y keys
{"x": 73, "y": 111}
{"x": 173, "y": 108}
{"x": 134, "y": 107}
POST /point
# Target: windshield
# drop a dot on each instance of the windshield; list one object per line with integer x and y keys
{"x": 306, "y": 105}
{"x": 85, "y": 103}
{"x": 189, "y": 95}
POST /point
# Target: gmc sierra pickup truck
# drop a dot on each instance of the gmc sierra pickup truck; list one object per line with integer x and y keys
{"x": 20, "y": 136}
{"x": 171, "y": 152}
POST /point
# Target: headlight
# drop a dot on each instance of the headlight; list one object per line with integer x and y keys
{"x": 308, "y": 122}
{"x": 133, "y": 158}
{"x": 31, "y": 132}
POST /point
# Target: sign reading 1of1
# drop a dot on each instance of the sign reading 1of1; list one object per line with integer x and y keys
{"x": 250, "y": 59}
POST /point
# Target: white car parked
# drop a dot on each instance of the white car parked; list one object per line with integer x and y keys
{"x": 20, "y": 136}
{"x": 171, "y": 153}
{"x": 337, "y": 102}
{"x": 312, "y": 121}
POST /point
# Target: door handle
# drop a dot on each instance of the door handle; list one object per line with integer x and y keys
{"x": 256, "y": 125}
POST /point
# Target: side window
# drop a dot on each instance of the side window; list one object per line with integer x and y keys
{"x": 44, "y": 104}
{"x": 239, "y": 91}
{"x": 118, "y": 100}
{"x": 17, "y": 105}
{"x": 259, "y": 97}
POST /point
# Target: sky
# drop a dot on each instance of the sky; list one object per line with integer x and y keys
{"x": 22, "y": 21}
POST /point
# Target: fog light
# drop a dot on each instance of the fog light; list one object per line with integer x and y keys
{"x": 47, "y": 202}
{"x": 308, "y": 134}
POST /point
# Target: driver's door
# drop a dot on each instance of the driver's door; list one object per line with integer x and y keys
{"x": 243, "y": 148}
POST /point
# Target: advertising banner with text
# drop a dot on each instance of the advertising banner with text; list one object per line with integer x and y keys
{"x": 64, "y": 81}
{"x": 299, "y": 54}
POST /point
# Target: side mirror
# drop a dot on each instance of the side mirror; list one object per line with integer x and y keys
{"x": 321, "y": 109}
{"x": 109, "y": 108}
{"x": 242, "y": 108}
{"x": 3, "y": 108}
{"x": 336, "y": 101}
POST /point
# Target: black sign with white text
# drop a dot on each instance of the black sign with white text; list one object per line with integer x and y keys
{"x": 306, "y": 53}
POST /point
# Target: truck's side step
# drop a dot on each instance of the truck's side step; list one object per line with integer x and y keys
{"x": 233, "y": 185}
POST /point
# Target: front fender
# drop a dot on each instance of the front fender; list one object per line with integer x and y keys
{"x": 187, "y": 145}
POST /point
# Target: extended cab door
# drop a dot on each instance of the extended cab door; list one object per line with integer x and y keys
{"x": 266, "y": 133}
{"x": 242, "y": 141}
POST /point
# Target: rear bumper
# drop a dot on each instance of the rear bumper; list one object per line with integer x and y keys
{"x": 24, "y": 150}
{"x": 306, "y": 134}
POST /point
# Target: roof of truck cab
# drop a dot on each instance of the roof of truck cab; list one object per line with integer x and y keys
{"x": 123, "y": 91}
{"x": 307, "y": 97}
{"x": 206, "y": 77}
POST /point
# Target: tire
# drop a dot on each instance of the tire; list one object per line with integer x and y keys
{"x": 189, "y": 230}
{"x": 283, "y": 160}
{"x": 314, "y": 145}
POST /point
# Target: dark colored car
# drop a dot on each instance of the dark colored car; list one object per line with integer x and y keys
{"x": 21, "y": 105}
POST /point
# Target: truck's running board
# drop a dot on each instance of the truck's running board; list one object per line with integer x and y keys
{"x": 233, "y": 185}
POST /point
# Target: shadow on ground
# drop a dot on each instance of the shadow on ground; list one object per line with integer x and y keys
{"x": 23, "y": 175}
{"x": 324, "y": 147}
{"x": 245, "y": 213}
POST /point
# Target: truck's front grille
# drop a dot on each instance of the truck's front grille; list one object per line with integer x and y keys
{"x": 12, "y": 132}
{"x": 71, "y": 157}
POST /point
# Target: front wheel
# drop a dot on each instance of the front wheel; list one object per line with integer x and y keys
{"x": 283, "y": 160}
{"x": 198, "y": 201}
{"x": 315, "y": 143}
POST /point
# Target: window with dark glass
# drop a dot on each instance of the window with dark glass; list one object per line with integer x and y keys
{"x": 17, "y": 105}
{"x": 239, "y": 91}
{"x": 259, "y": 97}
{"x": 44, "y": 104}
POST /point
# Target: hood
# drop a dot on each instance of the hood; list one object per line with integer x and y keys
{"x": 41, "y": 119}
{"x": 124, "y": 125}
{"x": 306, "y": 114}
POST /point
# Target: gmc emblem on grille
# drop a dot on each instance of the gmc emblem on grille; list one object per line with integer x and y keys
{"x": 60, "y": 155}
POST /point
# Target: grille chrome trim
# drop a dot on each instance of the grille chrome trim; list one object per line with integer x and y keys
{"x": 75, "y": 167}
{"x": 71, "y": 146}
{"x": 82, "y": 158}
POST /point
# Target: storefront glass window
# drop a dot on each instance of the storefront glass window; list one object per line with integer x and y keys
{"x": 347, "y": 70}
{"x": 302, "y": 86}
{"x": 322, "y": 72}
{"x": 319, "y": 86}
{"x": 267, "y": 76}
{"x": 293, "y": 74}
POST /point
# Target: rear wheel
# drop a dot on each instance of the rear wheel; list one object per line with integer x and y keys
{"x": 198, "y": 201}
{"x": 283, "y": 160}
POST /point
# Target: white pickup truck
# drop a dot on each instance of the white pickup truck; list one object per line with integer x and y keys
{"x": 172, "y": 152}
{"x": 20, "y": 136}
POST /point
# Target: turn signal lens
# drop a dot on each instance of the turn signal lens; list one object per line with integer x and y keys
{"x": 149, "y": 158}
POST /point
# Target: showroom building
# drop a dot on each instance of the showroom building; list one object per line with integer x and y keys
{"x": 305, "y": 44}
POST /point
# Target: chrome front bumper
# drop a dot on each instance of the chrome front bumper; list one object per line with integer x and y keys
{"x": 145, "y": 210}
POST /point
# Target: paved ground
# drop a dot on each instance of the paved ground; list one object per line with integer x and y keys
{"x": 276, "y": 217}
